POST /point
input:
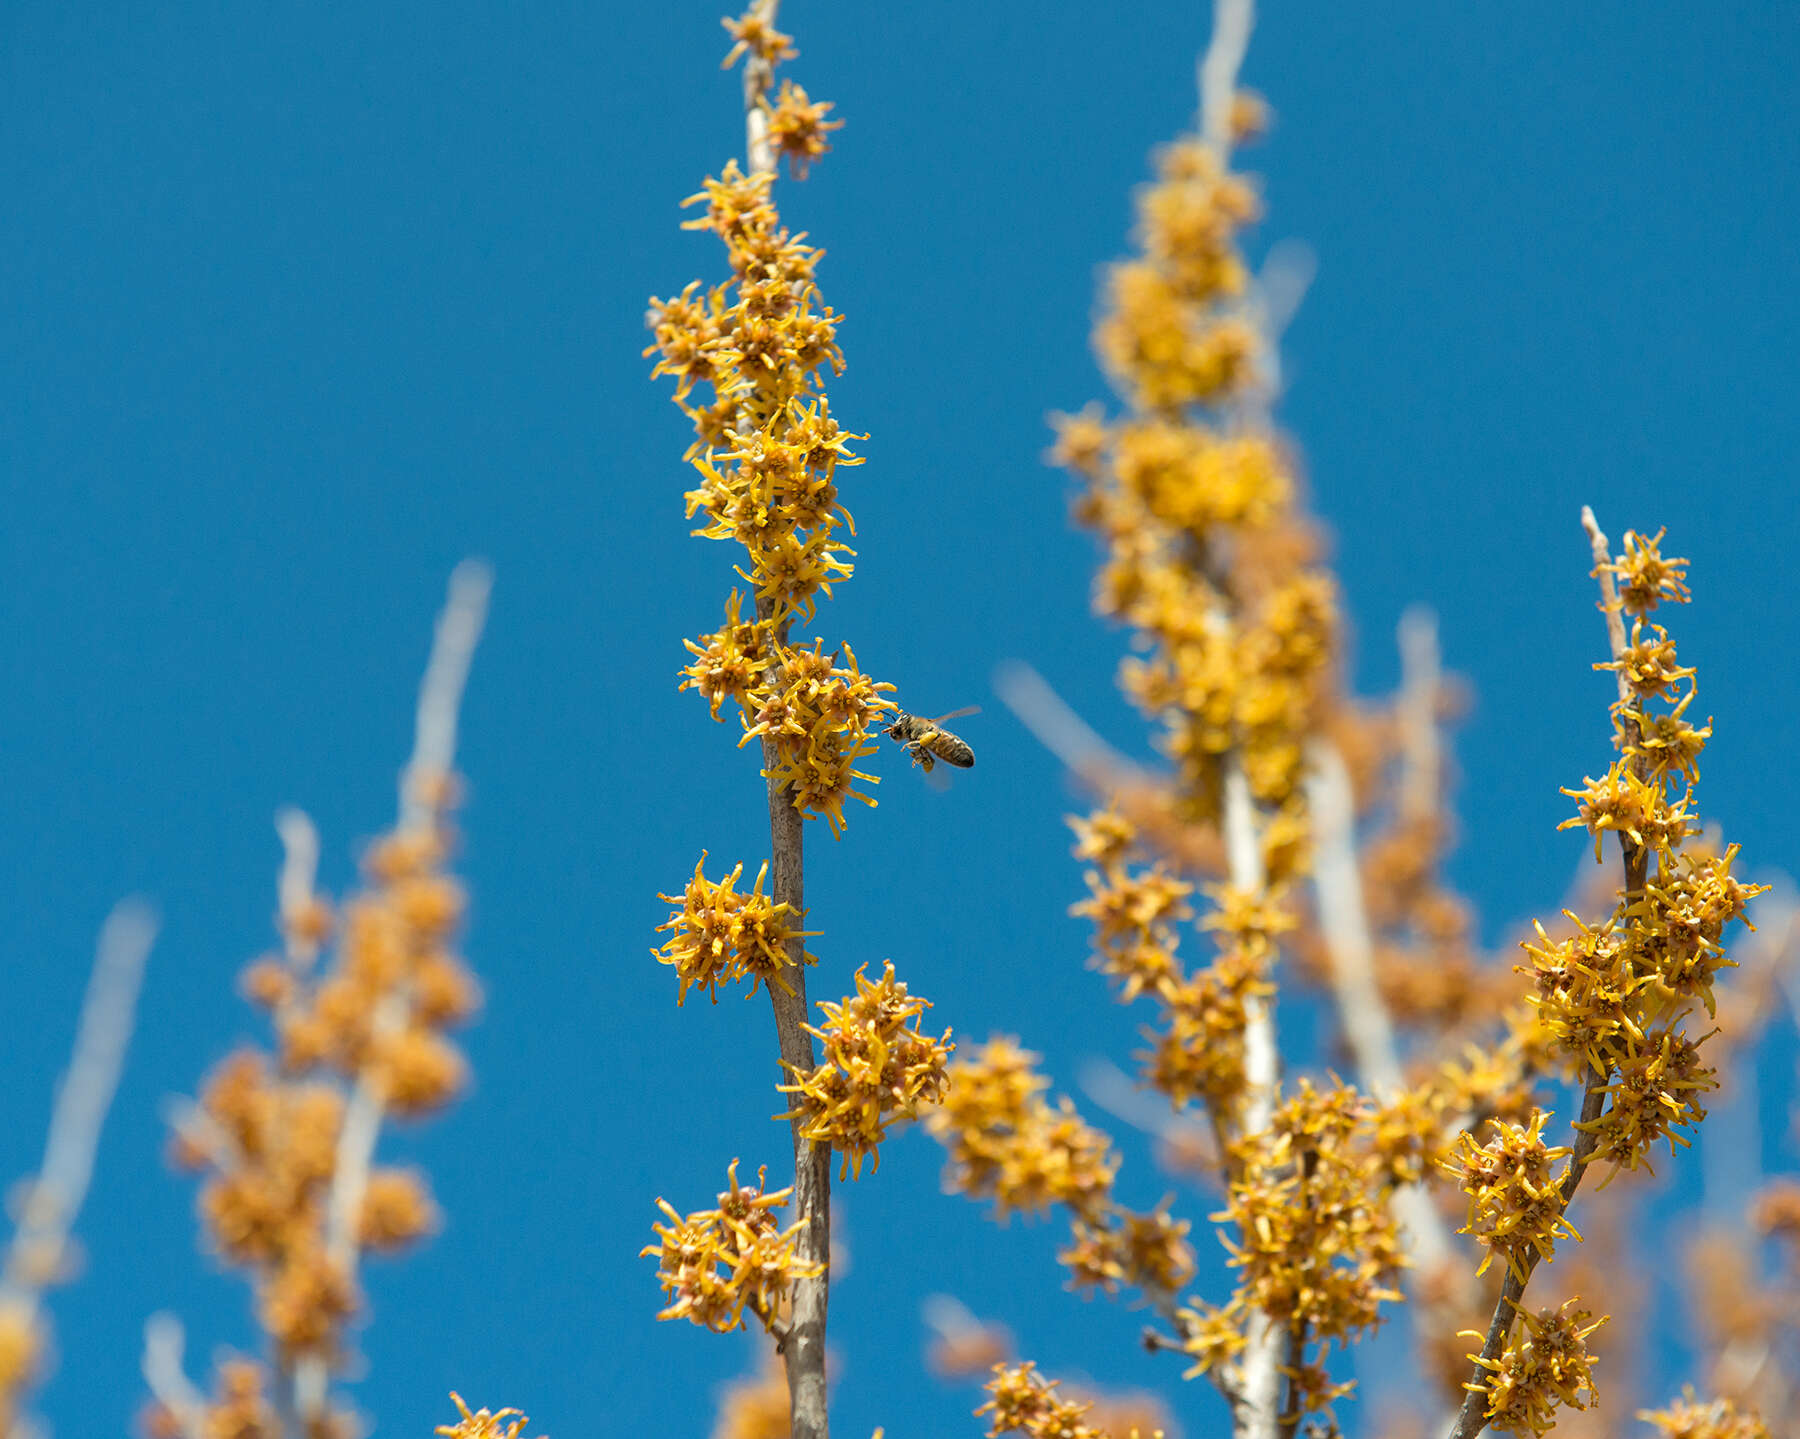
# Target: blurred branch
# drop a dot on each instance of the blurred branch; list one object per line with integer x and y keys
{"x": 1219, "y": 68}
{"x": 1421, "y": 752}
{"x": 39, "y": 1253}
{"x": 1259, "y": 1416}
{"x": 440, "y": 694}
{"x": 164, "y": 1343}
{"x": 422, "y": 792}
{"x": 1061, "y": 730}
{"x": 54, "y": 1197}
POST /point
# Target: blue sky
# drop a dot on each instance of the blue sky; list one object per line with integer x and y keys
{"x": 302, "y": 304}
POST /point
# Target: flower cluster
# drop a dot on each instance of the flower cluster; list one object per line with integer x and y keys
{"x": 1613, "y": 997}
{"x": 1546, "y": 1367}
{"x": 716, "y": 1263}
{"x": 756, "y": 1406}
{"x": 21, "y": 1352}
{"x": 1688, "y": 1418}
{"x": 288, "y": 1196}
{"x": 507, "y": 1424}
{"x": 381, "y": 1013}
{"x": 273, "y": 1146}
{"x": 814, "y": 715}
{"x": 1207, "y": 559}
{"x": 1317, "y": 1248}
{"x": 1516, "y": 1202}
{"x": 239, "y": 1405}
{"x": 816, "y": 727}
{"x": 876, "y": 1069}
{"x": 1007, "y": 1142}
{"x": 1198, "y": 1051}
{"x": 1025, "y": 1402}
{"x": 722, "y": 935}
{"x": 767, "y": 450}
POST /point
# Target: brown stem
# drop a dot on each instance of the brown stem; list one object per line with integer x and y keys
{"x": 803, "y": 1349}
{"x": 1291, "y": 1362}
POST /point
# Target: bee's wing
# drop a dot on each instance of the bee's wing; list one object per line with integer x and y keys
{"x": 938, "y": 777}
{"x": 956, "y": 714}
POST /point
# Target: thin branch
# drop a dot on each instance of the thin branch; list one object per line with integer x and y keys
{"x": 1119, "y": 1095}
{"x": 294, "y": 887}
{"x": 1421, "y": 750}
{"x": 1261, "y": 1366}
{"x": 434, "y": 755}
{"x": 36, "y": 1256}
{"x": 1219, "y": 68}
{"x": 1292, "y": 1360}
{"x": 1471, "y": 1419}
{"x": 1061, "y": 730}
{"x": 440, "y": 695}
{"x": 1362, "y": 1012}
{"x": 1344, "y": 922}
{"x": 759, "y": 78}
{"x": 166, "y": 1378}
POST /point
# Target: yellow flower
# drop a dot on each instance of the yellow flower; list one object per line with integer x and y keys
{"x": 797, "y": 128}
{"x": 1546, "y": 1367}
{"x": 875, "y": 1069}
{"x": 1515, "y": 1204}
{"x": 1646, "y": 578}
{"x": 481, "y": 1424}
{"x": 1026, "y": 1403}
{"x": 722, "y": 935}
{"x": 1687, "y": 1418}
{"x": 1006, "y": 1142}
{"x": 753, "y": 32}
{"x": 716, "y": 1263}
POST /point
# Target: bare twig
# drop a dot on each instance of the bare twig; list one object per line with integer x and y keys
{"x": 1061, "y": 730}
{"x": 1344, "y": 923}
{"x": 1219, "y": 68}
{"x": 804, "y": 1348}
{"x": 440, "y": 695}
{"x": 37, "y": 1254}
{"x": 164, "y": 1341}
{"x": 759, "y": 75}
{"x": 1421, "y": 751}
{"x": 294, "y": 887}
{"x": 1368, "y": 1029}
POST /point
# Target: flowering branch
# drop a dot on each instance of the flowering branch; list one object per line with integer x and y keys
{"x": 803, "y": 1347}
{"x": 426, "y": 788}
{"x": 1612, "y": 998}
{"x": 422, "y": 792}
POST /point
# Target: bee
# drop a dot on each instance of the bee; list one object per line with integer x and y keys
{"x": 928, "y": 742}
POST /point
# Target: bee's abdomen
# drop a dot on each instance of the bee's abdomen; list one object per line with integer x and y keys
{"x": 951, "y": 750}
